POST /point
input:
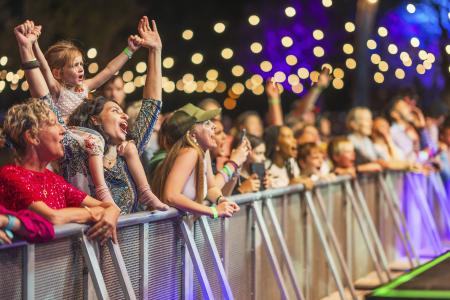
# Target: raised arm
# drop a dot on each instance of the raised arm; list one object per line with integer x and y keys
{"x": 114, "y": 65}
{"x": 307, "y": 102}
{"x": 25, "y": 38}
{"x": 52, "y": 83}
{"x": 275, "y": 108}
{"x": 151, "y": 106}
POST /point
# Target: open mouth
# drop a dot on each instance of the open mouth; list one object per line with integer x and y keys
{"x": 124, "y": 127}
{"x": 81, "y": 77}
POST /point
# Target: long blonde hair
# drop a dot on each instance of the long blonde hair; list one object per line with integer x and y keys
{"x": 161, "y": 173}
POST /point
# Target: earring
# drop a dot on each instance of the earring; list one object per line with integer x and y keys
{"x": 194, "y": 139}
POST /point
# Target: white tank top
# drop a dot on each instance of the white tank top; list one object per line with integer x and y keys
{"x": 189, "y": 187}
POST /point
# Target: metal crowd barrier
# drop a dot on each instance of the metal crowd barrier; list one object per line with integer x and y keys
{"x": 284, "y": 243}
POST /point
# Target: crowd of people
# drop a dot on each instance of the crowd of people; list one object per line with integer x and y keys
{"x": 78, "y": 157}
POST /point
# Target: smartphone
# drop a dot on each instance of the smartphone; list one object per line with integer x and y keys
{"x": 243, "y": 134}
{"x": 260, "y": 170}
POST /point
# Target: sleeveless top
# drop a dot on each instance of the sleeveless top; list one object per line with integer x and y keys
{"x": 70, "y": 99}
{"x": 189, "y": 189}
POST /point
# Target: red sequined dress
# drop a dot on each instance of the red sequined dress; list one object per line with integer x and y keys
{"x": 20, "y": 187}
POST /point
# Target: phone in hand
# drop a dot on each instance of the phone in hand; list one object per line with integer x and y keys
{"x": 243, "y": 134}
{"x": 260, "y": 170}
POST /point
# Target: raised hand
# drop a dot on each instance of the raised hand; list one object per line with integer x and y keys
{"x": 27, "y": 33}
{"x": 272, "y": 89}
{"x": 324, "y": 78}
{"x": 134, "y": 42}
{"x": 150, "y": 36}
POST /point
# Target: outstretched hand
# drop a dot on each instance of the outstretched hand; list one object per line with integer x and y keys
{"x": 325, "y": 78}
{"x": 272, "y": 89}
{"x": 150, "y": 36}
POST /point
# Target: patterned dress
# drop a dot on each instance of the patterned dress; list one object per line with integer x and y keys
{"x": 74, "y": 166}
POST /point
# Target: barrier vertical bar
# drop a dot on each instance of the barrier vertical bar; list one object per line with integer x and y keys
{"x": 326, "y": 247}
{"x": 362, "y": 227}
{"x": 366, "y": 213}
{"x": 122, "y": 273}
{"x": 270, "y": 251}
{"x": 396, "y": 215}
{"x": 284, "y": 249}
{"x": 196, "y": 260}
{"x": 144, "y": 248}
{"x": 388, "y": 186}
{"x": 439, "y": 190}
{"x": 335, "y": 242}
{"x": 426, "y": 214}
{"x": 28, "y": 272}
{"x": 209, "y": 239}
{"x": 94, "y": 268}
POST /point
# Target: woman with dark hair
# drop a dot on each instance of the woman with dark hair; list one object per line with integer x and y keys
{"x": 249, "y": 180}
{"x": 281, "y": 151}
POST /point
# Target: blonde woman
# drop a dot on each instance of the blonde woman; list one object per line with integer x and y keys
{"x": 185, "y": 178}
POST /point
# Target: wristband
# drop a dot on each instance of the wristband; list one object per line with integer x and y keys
{"x": 215, "y": 213}
{"x": 30, "y": 64}
{"x": 274, "y": 101}
{"x": 233, "y": 163}
{"x": 227, "y": 170}
{"x": 128, "y": 52}
{"x": 11, "y": 221}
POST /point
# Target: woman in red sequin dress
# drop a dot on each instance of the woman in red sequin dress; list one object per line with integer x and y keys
{"x": 35, "y": 134}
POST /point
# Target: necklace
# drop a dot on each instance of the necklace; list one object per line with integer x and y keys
{"x": 110, "y": 158}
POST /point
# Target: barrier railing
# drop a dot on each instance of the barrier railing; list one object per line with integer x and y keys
{"x": 287, "y": 243}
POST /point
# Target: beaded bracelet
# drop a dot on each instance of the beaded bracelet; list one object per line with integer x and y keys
{"x": 218, "y": 199}
{"x": 30, "y": 64}
{"x": 128, "y": 52}
{"x": 233, "y": 163}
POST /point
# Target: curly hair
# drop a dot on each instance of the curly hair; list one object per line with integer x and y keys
{"x": 61, "y": 54}
{"x": 22, "y": 117}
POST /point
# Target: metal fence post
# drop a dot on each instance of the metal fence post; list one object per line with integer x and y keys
{"x": 397, "y": 215}
{"x": 326, "y": 247}
{"x": 270, "y": 251}
{"x": 335, "y": 242}
{"x": 144, "y": 236}
{"x": 362, "y": 226}
{"x": 284, "y": 248}
{"x": 371, "y": 227}
{"x": 207, "y": 234}
{"x": 94, "y": 268}
{"x": 196, "y": 260}
{"x": 122, "y": 273}
{"x": 427, "y": 216}
{"x": 28, "y": 272}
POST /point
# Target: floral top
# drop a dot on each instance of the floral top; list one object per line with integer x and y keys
{"x": 74, "y": 167}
